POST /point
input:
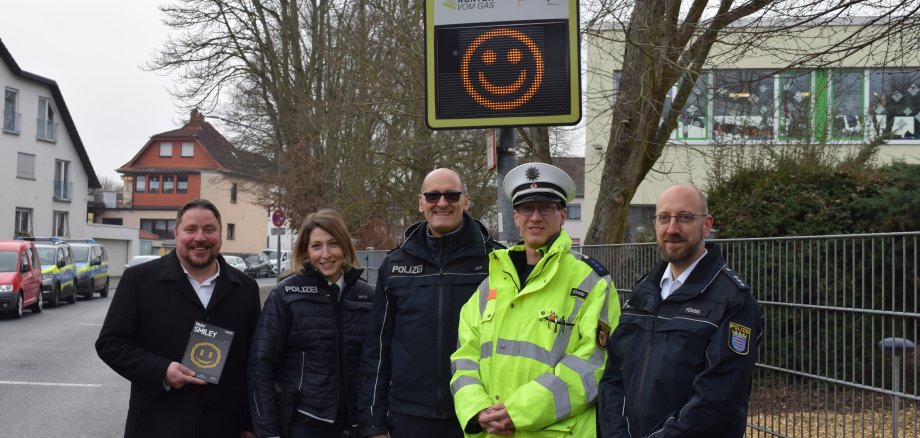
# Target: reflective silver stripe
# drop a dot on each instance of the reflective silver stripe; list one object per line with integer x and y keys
{"x": 485, "y": 350}
{"x": 560, "y": 392}
{"x": 461, "y": 382}
{"x": 483, "y": 296}
{"x": 463, "y": 364}
{"x": 524, "y": 349}
{"x": 586, "y": 371}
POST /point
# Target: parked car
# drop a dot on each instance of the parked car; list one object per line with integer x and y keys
{"x": 20, "y": 278}
{"x": 92, "y": 268}
{"x": 59, "y": 272}
{"x": 273, "y": 258}
{"x": 138, "y": 259}
{"x": 257, "y": 265}
{"x": 235, "y": 261}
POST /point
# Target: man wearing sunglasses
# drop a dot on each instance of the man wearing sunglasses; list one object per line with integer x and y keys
{"x": 682, "y": 357}
{"x": 421, "y": 286}
{"x": 533, "y": 337}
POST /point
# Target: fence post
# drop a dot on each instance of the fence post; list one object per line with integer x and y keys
{"x": 897, "y": 347}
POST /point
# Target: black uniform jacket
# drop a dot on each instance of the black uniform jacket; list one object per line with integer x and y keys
{"x": 421, "y": 287}
{"x": 309, "y": 340}
{"x": 148, "y": 326}
{"x": 682, "y": 367}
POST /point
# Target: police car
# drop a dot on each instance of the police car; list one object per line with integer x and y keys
{"x": 59, "y": 272}
{"x": 92, "y": 265}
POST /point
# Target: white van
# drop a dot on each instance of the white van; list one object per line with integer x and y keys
{"x": 285, "y": 261}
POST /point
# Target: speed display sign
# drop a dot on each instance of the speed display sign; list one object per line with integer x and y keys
{"x": 502, "y": 63}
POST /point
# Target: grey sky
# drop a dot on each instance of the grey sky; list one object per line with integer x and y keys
{"x": 94, "y": 49}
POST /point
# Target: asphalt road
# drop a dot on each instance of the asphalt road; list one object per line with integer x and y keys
{"x": 52, "y": 384}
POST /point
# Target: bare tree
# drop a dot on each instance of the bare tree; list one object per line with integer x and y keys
{"x": 111, "y": 184}
{"x": 667, "y": 43}
{"x": 333, "y": 92}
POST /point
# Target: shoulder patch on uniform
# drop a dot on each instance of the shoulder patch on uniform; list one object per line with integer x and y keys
{"x": 735, "y": 278}
{"x": 739, "y": 338}
{"x": 595, "y": 265}
{"x": 583, "y": 294}
{"x": 603, "y": 333}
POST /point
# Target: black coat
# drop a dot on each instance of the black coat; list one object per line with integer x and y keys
{"x": 310, "y": 341}
{"x": 682, "y": 367}
{"x": 147, "y": 327}
{"x": 421, "y": 287}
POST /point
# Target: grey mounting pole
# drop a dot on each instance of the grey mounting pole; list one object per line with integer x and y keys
{"x": 507, "y": 231}
{"x": 897, "y": 347}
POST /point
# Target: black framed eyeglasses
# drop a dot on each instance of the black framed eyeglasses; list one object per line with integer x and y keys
{"x": 544, "y": 210}
{"x": 663, "y": 220}
{"x": 433, "y": 197}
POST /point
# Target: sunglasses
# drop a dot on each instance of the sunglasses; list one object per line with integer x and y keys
{"x": 434, "y": 197}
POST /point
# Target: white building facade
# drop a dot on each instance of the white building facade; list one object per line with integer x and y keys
{"x": 44, "y": 169}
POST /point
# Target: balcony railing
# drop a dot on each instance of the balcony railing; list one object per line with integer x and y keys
{"x": 12, "y": 122}
{"x": 47, "y": 130}
{"x": 63, "y": 190}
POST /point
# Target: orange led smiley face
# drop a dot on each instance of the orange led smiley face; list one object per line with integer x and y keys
{"x": 507, "y": 51}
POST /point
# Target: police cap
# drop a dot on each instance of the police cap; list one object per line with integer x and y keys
{"x": 538, "y": 182}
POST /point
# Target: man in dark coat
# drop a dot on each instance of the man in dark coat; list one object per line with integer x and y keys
{"x": 148, "y": 325}
{"x": 681, "y": 360}
{"x": 421, "y": 286}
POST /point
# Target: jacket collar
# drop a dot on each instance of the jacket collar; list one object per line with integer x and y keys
{"x": 314, "y": 276}
{"x": 647, "y": 295}
{"x": 470, "y": 240}
{"x": 170, "y": 270}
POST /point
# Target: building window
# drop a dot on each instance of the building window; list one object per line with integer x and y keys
{"x": 188, "y": 149}
{"x": 154, "y": 184}
{"x": 182, "y": 184}
{"x": 742, "y": 105}
{"x": 12, "y": 120}
{"x": 847, "y": 105}
{"x": 895, "y": 103}
{"x": 25, "y": 166}
{"x": 693, "y": 122}
{"x": 23, "y": 222}
{"x": 795, "y": 106}
{"x": 62, "y": 184}
{"x": 573, "y": 211}
{"x": 112, "y": 221}
{"x": 46, "y": 125}
{"x": 141, "y": 184}
{"x": 231, "y": 231}
{"x": 233, "y": 193}
{"x": 168, "y": 183}
{"x": 166, "y": 149}
{"x": 61, "y": 228}
{"x": 163, "y": 228}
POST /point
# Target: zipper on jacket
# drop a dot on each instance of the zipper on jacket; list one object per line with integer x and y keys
{"x": 440, "y": 393}
{"x": 339, "y": 347}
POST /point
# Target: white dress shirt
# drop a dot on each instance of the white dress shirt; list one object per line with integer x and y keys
{"x": 669, "y": 284}
{"x": 205, "y": 289}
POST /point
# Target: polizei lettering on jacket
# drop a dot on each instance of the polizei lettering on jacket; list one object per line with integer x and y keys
{"x": 413, "y": 269}
{"x": 302, "y": 289}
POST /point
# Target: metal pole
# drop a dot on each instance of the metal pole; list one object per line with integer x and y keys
{"x": 278, "y": 255}
{"x": 507, "y": 231}
{"x": 896, "y": 370}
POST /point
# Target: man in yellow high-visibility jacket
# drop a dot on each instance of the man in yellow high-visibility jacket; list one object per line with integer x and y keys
{"x": 532, "y": 339}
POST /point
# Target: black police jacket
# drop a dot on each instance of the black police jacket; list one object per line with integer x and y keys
{"x": 309, "y": 340}
{"x": 421, "y": 287}
{"x": 682, "y": 367}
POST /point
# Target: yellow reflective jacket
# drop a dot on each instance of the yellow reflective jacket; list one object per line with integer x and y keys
{"x": 540, "y": 349}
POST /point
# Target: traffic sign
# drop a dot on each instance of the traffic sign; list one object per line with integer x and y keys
{"x": 278, "y": 217}
{"x": 501, "y": 63}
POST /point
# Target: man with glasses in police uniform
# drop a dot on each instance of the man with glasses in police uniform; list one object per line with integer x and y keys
{"x": 682, "y": 357}
{"x": 421, "y": 286}
{"x": 532, "y": 339}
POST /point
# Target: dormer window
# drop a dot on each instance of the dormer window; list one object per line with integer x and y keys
{"x": 166, "y": 149}
{"x": 188, "y": 149}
